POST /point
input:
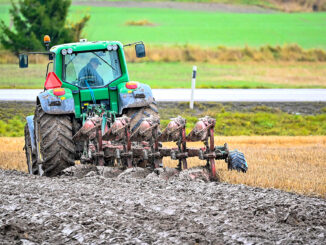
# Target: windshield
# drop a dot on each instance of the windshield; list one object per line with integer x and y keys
{"x": 92, "y": 69}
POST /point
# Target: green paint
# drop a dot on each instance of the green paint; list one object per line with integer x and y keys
{"x": 84, "y": 95}
{"x": 67, "y": 95}
{"x": 114, "y": 101}
{"x": 99, "y": 93}
{"x": 122, "y": 88}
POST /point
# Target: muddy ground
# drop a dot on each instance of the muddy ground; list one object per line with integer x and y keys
{"x": 105, "y": 206}
{"x": 193, "y": 6}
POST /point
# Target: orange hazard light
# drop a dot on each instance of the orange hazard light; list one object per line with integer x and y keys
{"x": 52, "y": 81}
{"x": 59, "y": 91}
{"x": 47, "y": 39}
{"x": 131, "y": 85}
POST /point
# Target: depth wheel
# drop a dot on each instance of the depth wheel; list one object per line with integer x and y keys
{"x": 54, "y": 144}
{"x": 31, "y": 158}
{"x": 237, "y": 161}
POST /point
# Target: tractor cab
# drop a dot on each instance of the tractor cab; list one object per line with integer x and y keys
{"x": 91, "y": 73}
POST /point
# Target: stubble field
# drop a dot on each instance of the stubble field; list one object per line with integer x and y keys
{"x": 295, "y": 164}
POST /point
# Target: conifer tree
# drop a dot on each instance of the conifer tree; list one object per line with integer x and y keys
{"x": 32, "y": 19}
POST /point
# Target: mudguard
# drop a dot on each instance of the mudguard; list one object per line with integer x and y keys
{"x": 130, "y": 98}
{"x": 30, "y": 124}
{"x": 52, "y": 104}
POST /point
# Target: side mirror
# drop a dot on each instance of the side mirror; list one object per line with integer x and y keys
{"x": 140, "y": 50}
{"x": 23, "y": 60}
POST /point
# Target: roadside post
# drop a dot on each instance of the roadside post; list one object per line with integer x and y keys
{"x": 193, "y": 85}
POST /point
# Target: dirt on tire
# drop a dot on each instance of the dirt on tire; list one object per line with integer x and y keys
{"x": 138, "y": 114}
{"x": 56, "y": 147}
{"x": 101, "y": 206}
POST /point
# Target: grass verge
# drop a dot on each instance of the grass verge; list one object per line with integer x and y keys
{"x": 258, "y": 120}
{"x": 295, "y": 164}
{"x": 255, "y": 120}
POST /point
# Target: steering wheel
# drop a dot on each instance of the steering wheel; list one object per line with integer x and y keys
{"x": 91, "y": 80}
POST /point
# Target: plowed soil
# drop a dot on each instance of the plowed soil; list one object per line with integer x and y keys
{"x": 92, "y": 205}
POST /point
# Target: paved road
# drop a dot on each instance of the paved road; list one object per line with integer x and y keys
{"x": 203, "y": 95}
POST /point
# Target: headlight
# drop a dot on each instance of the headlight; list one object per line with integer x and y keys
{"x": 110, "y": 47}
{"x": 69, "y": 50}
{"x": 64, "y": 51}
{"x": 115, "y": 47}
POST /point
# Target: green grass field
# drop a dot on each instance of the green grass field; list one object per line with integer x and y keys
{"x": 178, "y": 75}
{"x": 201, "y": 28}
{"x": 205, "y": 29}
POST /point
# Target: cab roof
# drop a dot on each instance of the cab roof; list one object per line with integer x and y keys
{"x": 85, "y": 46}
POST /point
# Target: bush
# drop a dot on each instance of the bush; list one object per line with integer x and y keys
{"x": 13, "y": 128}
{"x": 35, "y": 18}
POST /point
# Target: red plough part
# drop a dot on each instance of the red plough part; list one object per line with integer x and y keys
{"x": 143, "y": 148}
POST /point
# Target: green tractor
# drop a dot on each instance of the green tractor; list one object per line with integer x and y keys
{"x": 90, "y": 111}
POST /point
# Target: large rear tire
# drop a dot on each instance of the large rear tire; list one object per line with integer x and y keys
{"x": 138, "y": 114}
{"x": 31, "y": 158}
{"x": 54, "y": 144}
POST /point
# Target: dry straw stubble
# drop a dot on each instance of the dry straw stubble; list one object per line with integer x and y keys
{"x": 290, "y": 163}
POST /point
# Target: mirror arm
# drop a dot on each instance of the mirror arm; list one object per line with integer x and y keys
{"x": 47, "y": 69}
{"x": 129, "y": 44}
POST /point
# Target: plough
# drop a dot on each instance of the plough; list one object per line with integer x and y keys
{"x": 110, "y": 142}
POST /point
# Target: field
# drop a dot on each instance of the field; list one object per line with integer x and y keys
{"x": 296, "y": 164}
{"x": 221, "y": 75}
{"x": 201, "y": 28}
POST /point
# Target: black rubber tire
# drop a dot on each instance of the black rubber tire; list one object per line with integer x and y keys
{"x": 54, "y": 144}
{"x": 138, "y": 114}
{"x": 31, "y": 158}
{"x": 237, "y": 161}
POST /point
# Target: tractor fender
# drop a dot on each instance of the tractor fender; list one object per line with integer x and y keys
{"x": 131, "y": 98}
{"x": 30, "y": 124}
{"x": 56, "y": 104}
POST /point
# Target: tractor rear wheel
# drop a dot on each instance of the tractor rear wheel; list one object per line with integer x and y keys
{"x": 54, "y": 144}
{"x": 137, "y": 115}
{"x": 31, "y": 158}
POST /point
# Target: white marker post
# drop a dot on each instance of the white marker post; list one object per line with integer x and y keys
{"x": 193, "y": 85}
